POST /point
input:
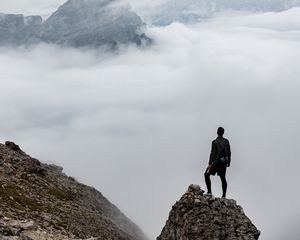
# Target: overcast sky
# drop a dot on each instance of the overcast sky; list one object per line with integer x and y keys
{"x": 46, "y": 7}
{"x": 138, "y": 125}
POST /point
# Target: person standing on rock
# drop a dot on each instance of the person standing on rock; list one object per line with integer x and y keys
{"x": 220, "y": 158}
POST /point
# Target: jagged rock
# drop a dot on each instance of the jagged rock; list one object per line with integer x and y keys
{"x": 199, "y": 217}
{"x": 77, "y": 23}
{"x": 195, "y": 190}
{"x": 53, "y": 206}
{"x": 56, "y": 168}
{"x": 13, "y": 146}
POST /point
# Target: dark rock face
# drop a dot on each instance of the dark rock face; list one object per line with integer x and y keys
{"x": 39, "y": 202}
{"x": 77, "y": 23}
{"x": 13, "y": 146}
{"x": 200, "y": 217}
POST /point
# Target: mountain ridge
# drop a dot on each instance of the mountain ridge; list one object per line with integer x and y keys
{"x": 77, "y": 23}
{"x": 193, "y": 11}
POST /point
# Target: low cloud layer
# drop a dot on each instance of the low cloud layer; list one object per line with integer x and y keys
{"x": 138, "y": 125}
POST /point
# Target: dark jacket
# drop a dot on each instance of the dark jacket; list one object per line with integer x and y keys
{"x": 220, "y": 148}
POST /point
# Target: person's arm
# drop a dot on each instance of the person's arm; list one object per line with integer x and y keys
{"x": 228, "y": 153}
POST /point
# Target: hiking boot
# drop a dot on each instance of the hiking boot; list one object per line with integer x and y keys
{"x": 209, "y": 194}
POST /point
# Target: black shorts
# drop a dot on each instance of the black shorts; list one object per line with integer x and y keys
{"x": 219, "y": 168}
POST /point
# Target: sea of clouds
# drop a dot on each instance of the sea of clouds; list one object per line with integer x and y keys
{"x": 138, "y": 123}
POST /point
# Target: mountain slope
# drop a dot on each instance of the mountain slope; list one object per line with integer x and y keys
{"x": 198, "y": 217}
{"x": 44, "y": 199}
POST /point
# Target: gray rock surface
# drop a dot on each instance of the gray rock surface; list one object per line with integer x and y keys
{"x": 77, "y": 23}
{"x": 39, "y": 202}
{"x": 199, "y": 217}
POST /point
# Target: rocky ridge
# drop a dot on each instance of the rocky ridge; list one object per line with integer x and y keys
{"x": 77, "y": 23}
{"x": 199, "y": 217}
{"x": 40, "y": 202}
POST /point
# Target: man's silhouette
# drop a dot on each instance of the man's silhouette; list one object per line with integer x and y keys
{"x": 219, "y": 160}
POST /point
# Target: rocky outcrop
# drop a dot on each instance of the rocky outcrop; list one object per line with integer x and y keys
{"x": 77, "y": 23}
{"x": 39, "y": 202}
{"x": 200, "y": 217}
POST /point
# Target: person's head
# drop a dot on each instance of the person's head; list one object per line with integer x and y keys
{"x": 220, "y": 131}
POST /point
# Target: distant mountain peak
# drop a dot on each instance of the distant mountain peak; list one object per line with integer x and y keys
{"x": 77, "y": 23}
{"x": 191, "y": 11}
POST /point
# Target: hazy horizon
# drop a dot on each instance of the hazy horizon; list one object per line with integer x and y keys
{"x": 138, "y": 125}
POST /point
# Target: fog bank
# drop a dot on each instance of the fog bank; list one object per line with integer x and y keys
{"x": 138, "y": 124}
